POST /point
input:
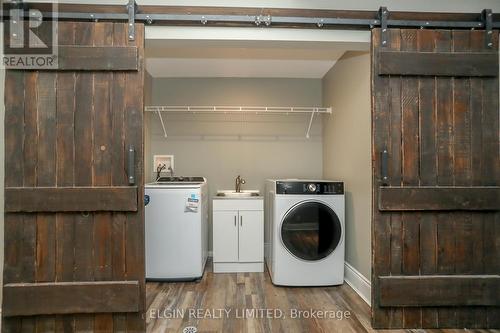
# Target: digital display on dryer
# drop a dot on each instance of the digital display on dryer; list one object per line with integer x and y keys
{"x": 311, "y": 187}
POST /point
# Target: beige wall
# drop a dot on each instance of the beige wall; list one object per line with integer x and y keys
{"x": 220, "y": 147}
{"x": 347, "y": 149}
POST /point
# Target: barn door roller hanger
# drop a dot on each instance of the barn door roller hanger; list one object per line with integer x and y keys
{"x": 486, "y": 23}
{"x": 487, "y": 17}
{"x": 131, "y": 16}
{"x": 132, "y": 9}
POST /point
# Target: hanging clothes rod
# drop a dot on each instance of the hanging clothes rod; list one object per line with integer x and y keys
{"x": 239, "y": 109}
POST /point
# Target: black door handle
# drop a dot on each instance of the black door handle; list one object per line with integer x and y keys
{"x": 131, "y": 165}
{"x": 384, "y": 166}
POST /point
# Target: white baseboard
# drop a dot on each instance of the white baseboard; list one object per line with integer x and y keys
{"x": 358, "y": 282}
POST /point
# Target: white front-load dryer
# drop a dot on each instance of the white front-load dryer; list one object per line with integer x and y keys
{"x": 305, "y": 232}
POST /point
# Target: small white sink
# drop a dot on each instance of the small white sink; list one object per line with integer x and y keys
{"x": 242, "y": 194}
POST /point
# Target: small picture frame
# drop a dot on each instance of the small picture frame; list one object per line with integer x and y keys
{"x": 168, "y": 160}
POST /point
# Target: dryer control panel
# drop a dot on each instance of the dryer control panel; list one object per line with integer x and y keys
{"x": 309, "y": 187}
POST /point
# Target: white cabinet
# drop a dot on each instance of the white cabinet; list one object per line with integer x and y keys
{"x": 238, "y": 235}
{"x": 225, "y": 235}
{"x": 251, "y": 236}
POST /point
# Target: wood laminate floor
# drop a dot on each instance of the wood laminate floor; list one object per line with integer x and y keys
{"x": 175, "y": 306}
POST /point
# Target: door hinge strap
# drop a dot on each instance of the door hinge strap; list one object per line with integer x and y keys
{"x": 487, "y": 18}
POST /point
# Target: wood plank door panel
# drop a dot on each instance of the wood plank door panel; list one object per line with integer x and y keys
{"x": 74, "y": 227}
{"x": 436, "y": 190}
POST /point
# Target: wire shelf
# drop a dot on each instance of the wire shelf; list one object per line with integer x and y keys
{"x": 238, "y": 109}
{"x": 260, "y": 110}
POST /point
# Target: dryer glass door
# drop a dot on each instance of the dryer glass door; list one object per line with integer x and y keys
{"x": 311, "y": 230}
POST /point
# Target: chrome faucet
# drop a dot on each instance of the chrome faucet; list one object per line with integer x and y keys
{"x": 238, "y": 182}
{"x": 159, "y": 169}
{"x": 162, "y": 167}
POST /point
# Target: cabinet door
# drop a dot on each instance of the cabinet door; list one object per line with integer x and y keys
{"x": 225, "y": 236}
{"x": 251, "y": 238}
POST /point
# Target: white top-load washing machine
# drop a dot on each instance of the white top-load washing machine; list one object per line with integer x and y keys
{"x": 304, "y": 232}
{"x": 176, "y": 228}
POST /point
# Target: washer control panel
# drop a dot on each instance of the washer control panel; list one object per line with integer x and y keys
{"x": 309, "y": 187}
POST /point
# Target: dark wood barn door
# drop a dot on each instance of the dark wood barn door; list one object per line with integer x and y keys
{"x": 74, "y": 225}
{"x": 436, "y": 177}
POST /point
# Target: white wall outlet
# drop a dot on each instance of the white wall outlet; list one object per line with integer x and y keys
{"x": 158, "y": 160}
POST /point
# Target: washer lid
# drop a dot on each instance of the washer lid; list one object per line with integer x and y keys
{"x": 176, "y": 182}
{"x": 180, "y": 179}
{"x": 311, "y": 230}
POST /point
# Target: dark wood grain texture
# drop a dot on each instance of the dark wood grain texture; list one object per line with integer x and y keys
{"x": 412, "y": 317}
{"x": 118, "y": 176}
{"x": 133, "y": 129}
{"x": 445, "y": 168}
{"x": 95, "y": 58}
{"x": 442, "y": 194}
{"x": 65, "y": 223}
{"x": 45, "y": 263}
{"x": 30, "y": 163}
{"x": 466, "y": 233}
{"x": 91, "y": 58}
{"x": 381, "y": 250}
{"x": 438, "y": 290}
{"x": 27, "y": 299}
{"x": 103, "y": 35}
{"x": 65, "y": 142}
{"x": 14, "y": 162}
{"x": 425, "y": 198}
{"x": 395, "y": 174}
{"x": 84, "y": 223}
{"x": 438, "y": 64}
{"x": 71, "y": 199}
{"x": 427, "y": 169}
